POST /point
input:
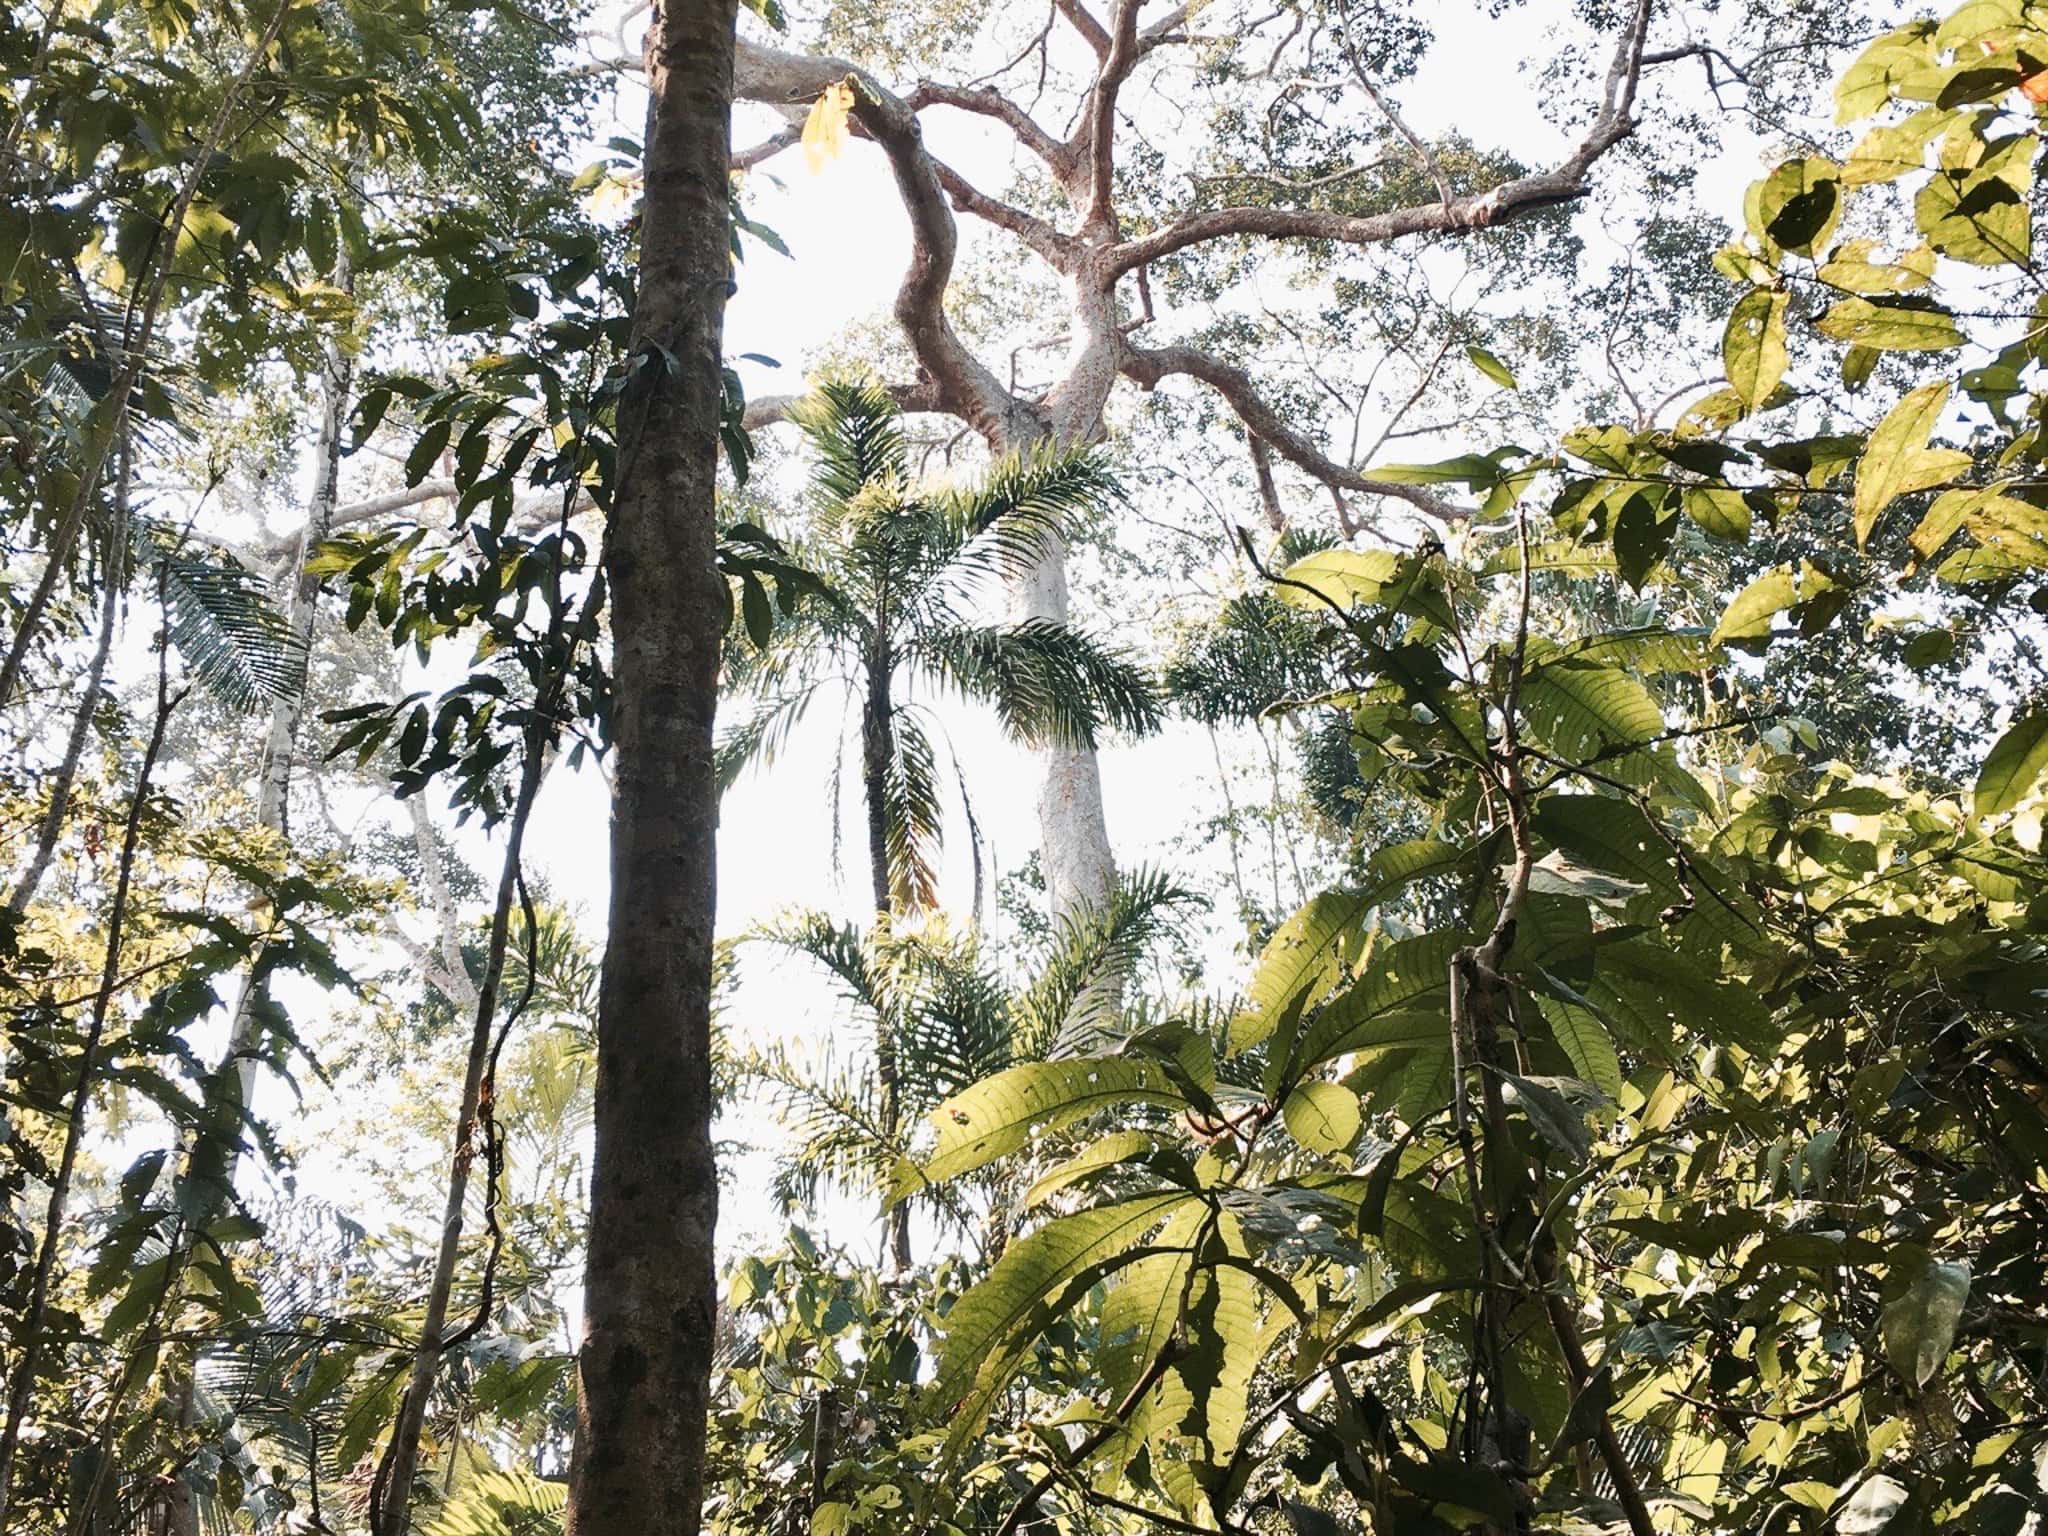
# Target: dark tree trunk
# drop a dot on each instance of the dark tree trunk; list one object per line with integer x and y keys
{"x": 878, "y": 747}
{"x": 650, "y": 1301}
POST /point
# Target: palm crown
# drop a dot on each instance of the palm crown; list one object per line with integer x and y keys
{"x": 902, "y": 569}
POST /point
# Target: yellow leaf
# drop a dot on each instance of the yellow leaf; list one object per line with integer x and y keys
{"x": 825, "y": 129}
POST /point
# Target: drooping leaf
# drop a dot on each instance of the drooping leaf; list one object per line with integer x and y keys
{"x": 2013, "y": 768}
{"x": 1898, "y": 460}
{"x": 998, "y": 1115}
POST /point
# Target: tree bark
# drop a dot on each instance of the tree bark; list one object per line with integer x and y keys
{"x": 650, "y": 1307}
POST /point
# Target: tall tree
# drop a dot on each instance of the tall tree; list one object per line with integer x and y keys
{"x": 1100, "y": 211}
{"x": 644, "y": 1364}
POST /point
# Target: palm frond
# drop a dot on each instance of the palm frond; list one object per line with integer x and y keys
{"x": 1049, "y": 683}
{"x": 222, "y": 622}
{"x": 1022, "y": 507}
{"x": 956, "y": 1024}
{"x": 501, "y": 1504}
{"x": 857, "y": 432}
{"x": 914, "y": 818}
{"x": 757, "y": 740}
{"x": 1074, "y": 1000}
{"x": 840, "y": 948}
{"x": 837, "y": 1133}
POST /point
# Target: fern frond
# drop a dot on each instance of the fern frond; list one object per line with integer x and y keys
{"x": 222, "y": 622}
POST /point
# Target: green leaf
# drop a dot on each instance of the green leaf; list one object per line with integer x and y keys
{"x": 1851, "y": 269}
{"x": 1893, "y": 327}
{"x": 996, "y": 1316}
{"x": 998, "y": 1115}
{"x": 1893, "y": 150}
{"x": 1748, "y": 616}
{"x": 1492, "y": 367}
{"x": 1580, "y": 710}
{"x": 1796, "y": 207}
{"x": 1322, "y": 1116}
{"x": 1309, "y": 953}
{"x": 2013, "y": 769}
{"x": 1870, "y": 79}
{"x": 1112, "y": 1151}
{"x": 1347, "y": 577}
{"x": 1398, "y": 1001}
{"x": 1549, "y": 1107}
{"x": 1871, "y": 1508}
{"x": 1898, "y": 460}
{"x": 1753, "y": 346}
{"x": 1981, "y": 214}
{"x": 1466, "y": 469}
{"x": 1585, "y": 1042}
{"x": 1720, "y": 510}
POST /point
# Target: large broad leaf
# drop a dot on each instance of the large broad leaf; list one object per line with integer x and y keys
{"x": 1753, "y": 346}
{"x": 998, "y": 1115}
{"x": 1119, "y": 1149}
{"x": 1400, "y": 1001}
{"x": 1346, "y": 577}
{"x": 1580, "y": 710}
{"x": 1919, "y": 1324}
{"x": 1582, "y": 1036}
{"x": 1310, "y": 952}
{"x": 1871, "y": 1507}
{"x": 2015, "y": 766}
{"x": 1322, "y": 1116}
{"x": 1980, "y": 213}
{"x": 1038, "y": 1277}
{"x": 1898, "y": 460}
{"x": 1893, "y": 150}
{"x": 1795, "y": 207}
{"x": 1610, "y": 833}
{"x": 1197, "y": 1411}
{"x": 1891, "y": 327}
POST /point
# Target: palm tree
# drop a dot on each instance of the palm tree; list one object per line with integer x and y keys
{"x": 897, "y": 572}
{"x": 948, "y": 1019}
{"x": 900, "y": 569}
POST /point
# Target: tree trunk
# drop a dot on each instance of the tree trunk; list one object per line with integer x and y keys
{"x": 337, "y": 376}
{"x": 1073, "y": 831}
{"x": 878, "y": 747}
{"x": 650, "y": 1297}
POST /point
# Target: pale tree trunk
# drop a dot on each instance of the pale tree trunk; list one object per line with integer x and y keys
{"x": 337, "y": 376}
{"x": 650, "y": 1294}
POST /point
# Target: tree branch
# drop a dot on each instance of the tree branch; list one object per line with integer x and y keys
{"x": 1459, "y": 215}
{"x": 769, "y": 410}
{"x": 963, "y": 383}
{"x": 986, "y": 101}
{"x": 1147, "y": 366}
{"x": 1098, "y": 130}
{"x": 1093, "y": 33}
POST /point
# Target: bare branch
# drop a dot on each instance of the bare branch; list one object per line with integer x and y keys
{"x": 986, "y": 101}
{"x": 1098, "y": 131}
{"x": 1092, "y": 31}
{"x": 1147, "y": 366}
{"x": 789, "y": 134}
{"x": 913, "y": 399}
{"x": 1059, "y": 250}
{"x": 962, "y": 381}
{"x": 1456, "y": 215}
